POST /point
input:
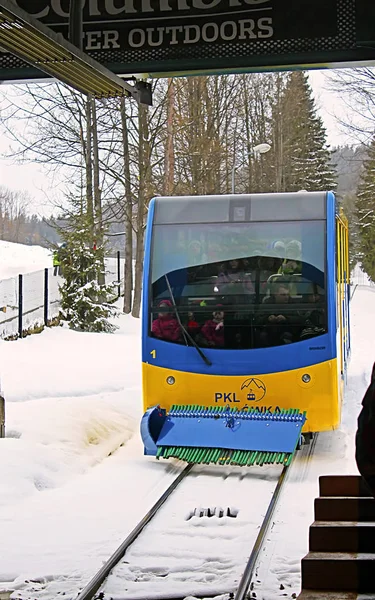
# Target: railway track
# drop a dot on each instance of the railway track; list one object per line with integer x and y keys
{"x": 96, "y": 582}
{"x": 92, "y": 590}
{"x": 306, "y": 453}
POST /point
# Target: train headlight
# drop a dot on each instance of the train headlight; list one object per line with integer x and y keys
{"x": 170, "y": 380}
{"x": 306, "y": 378}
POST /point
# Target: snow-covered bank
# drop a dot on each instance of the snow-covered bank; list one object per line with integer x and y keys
{"x": 19, "y": 258}
{"x": 71, "y": 400}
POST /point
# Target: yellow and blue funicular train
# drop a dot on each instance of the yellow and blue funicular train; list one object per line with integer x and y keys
{"x": 245, "y": 325}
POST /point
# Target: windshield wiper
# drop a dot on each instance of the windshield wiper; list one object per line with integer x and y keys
{"x": 185, "y": 333}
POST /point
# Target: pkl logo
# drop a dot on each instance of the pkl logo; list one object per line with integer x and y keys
{"x": 256, "y": 390}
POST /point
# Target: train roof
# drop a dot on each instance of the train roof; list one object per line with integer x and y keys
{"x": 293, "y": 206}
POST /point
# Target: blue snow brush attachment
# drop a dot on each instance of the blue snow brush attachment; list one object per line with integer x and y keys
{"x": 222, "y": 435}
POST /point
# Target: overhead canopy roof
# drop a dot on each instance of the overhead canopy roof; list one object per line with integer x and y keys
{"x": 41, "y": 47}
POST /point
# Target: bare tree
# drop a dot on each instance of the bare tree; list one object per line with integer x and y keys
{"x": 89, "y": 168}
{"x": 201, "y": 140}
{"x": 356, "y": 88}
{"x": 169, "y": 147}
{"x": 13, "y": 214}
{"x": 128, "y": 213}
{"x": 143, "y": 195}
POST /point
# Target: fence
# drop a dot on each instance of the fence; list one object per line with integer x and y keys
{"x": 360, "y": 279}
{"x": 34, "y": 298}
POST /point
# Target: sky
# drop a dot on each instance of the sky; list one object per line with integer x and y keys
{"x": 46, "y": 189}
{"x": 74, "y": 481}
{"x": 330, "y": 105}
{"x": 31, "y": 177}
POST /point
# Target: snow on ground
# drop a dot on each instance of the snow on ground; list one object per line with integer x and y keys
{"x": 19, "y": 258}
{"x": 359, "y": 277}
{"x": 74, "y": 481}
{"x": 72, "y": 399}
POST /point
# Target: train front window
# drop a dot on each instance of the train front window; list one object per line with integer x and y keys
{"x": 239, "y": 285}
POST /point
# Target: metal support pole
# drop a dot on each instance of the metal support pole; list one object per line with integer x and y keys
{"x": 20, "y": 304}
{"x": 2, "y": 415}
{"x": 75, "y": 23}
{"x": 118, "y": 273}
{"x": 233, "y": 179}
{"x": 46, "y": 297}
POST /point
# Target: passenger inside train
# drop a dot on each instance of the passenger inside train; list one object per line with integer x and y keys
{"x": 280, "y": 327}
{"x": 212, "y": 332}
{"x": 235, "y": 290}
{"x": 166, "y": 326}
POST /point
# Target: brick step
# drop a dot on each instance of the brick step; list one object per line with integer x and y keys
{"x": 339, "y": 571}
{"x": 342, "y": 536}
{"x": 332, "y": 508}
{"x": 327, "y": 595}
{"x": 343, "y": 485}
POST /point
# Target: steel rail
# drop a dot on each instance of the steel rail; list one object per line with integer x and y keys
{"x": 95, "y": 583}
{"x": 251, "y": 563}
{"x": 250, "y": 566}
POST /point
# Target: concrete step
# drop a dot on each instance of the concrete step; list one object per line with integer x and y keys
{"x": 335, "y": 508}
{"x": 342, "y": 536}
{"x": 343, "y": 485}
{"x": 340, "y": 571}
{"x": 327, "y": 595}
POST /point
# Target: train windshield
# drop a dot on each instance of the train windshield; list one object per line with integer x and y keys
{"x": 239, "y": 285}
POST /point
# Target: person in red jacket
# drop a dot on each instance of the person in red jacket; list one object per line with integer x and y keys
{"x": 213, "y": 330}
{"x": 192, "y": 325}
{"x": 166, "y": 326}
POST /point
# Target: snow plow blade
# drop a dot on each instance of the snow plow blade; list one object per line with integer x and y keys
{"x": 197, "y": 434}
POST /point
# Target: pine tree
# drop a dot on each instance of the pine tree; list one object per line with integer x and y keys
{"x": 306, "y": 157}
{"x": 85, "y": 304}
{"x": 365, "y": 213}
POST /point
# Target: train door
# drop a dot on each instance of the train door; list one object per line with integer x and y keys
{"x": 343, "y": 291}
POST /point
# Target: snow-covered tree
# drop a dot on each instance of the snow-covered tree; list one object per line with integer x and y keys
{"x": 365, "y": 213}
{"x": 306, "y": 157}
{"x": 85, "y": 304}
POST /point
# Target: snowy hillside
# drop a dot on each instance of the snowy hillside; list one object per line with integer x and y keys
{"x": 19, "y": 258}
